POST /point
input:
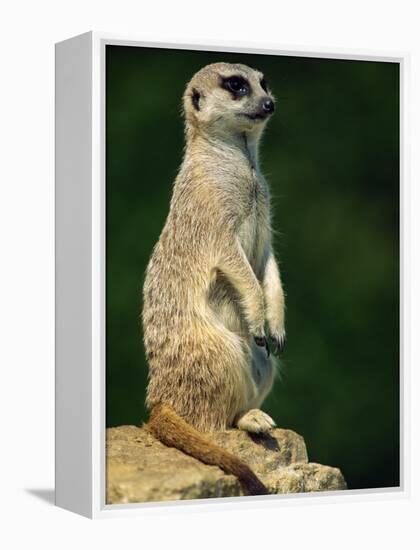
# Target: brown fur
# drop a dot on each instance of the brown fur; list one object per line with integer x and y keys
{"x": 212, "y": 281}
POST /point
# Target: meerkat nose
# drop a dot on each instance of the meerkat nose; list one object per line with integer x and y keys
{"x": 268, "y": 105}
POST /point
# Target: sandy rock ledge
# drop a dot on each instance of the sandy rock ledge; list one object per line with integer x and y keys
{"x": 141, "y": 469}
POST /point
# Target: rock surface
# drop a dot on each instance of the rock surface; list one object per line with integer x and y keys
{"x": 141, "y": 469}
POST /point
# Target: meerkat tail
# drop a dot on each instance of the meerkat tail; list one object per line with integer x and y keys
{"x": 173, "y": 431}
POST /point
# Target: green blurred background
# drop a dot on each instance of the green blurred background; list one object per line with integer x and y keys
{"x": 331, "y": 155}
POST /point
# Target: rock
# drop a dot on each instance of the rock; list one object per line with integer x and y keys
{"x": 141, "y": 469}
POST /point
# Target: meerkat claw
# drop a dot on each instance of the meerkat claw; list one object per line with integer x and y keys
{"x": 256, "y": 421}
{"x": 279, "y": 343}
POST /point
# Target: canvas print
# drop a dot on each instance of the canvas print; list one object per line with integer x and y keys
{"x": 252, "y": 274}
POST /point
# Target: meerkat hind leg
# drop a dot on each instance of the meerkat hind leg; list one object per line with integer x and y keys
{"x": 255, "y": 421}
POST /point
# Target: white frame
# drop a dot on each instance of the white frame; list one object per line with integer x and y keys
{"x": 80, "y": 278}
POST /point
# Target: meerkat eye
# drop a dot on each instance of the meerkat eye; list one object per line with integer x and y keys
{"x": 263, "y": 84}
{"x": 237, "y": 85}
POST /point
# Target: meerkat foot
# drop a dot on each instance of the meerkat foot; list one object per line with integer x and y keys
{"x": 256, "y": 421}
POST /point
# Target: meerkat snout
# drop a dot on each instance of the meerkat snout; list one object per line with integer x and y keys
{"x": 265, "y": 110}
{"x": 268, "y": 106}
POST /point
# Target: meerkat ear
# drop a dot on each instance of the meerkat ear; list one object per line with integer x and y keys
{"x": 195, "y": 99}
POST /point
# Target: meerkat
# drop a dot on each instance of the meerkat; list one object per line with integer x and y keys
{"x": 212, "y": 284}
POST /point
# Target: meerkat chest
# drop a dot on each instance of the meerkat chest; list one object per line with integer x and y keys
{"x": 254, "y": 228}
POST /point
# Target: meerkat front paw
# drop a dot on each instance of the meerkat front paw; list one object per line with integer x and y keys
{"x": 256, "y": 421}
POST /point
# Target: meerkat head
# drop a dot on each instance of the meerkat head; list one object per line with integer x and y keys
{"x": 225, "y": 99}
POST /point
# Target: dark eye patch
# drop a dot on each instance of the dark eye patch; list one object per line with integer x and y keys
{"x": 238, "y": 86}
{"x": 263, "y": 84}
